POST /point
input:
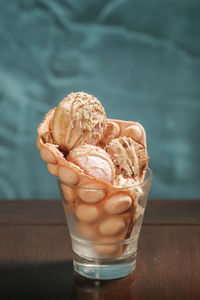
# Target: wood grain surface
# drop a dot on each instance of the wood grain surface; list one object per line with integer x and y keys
{"x": 36, "y": 256}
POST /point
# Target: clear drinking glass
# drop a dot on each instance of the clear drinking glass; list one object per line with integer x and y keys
{"x": 104, "y": 242}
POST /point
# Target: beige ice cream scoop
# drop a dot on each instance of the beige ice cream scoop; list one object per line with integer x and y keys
{"x": 129, "y": 157}
{"x": 79, "y": 118}
{"x": 94, "y": 161}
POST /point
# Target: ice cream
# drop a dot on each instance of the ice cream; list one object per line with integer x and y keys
{"x": 98, "y": 163}
{"x": 129, "y": 157}
{"x": 79, "y": 118}
{"x": 94, "y": 160}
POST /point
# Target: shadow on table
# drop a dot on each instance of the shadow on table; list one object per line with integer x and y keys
{"x": 37, "y": 281}
{"x": 58, "y": 281}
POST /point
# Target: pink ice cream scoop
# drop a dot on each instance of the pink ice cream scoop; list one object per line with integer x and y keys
{"x": 94, "y": 161}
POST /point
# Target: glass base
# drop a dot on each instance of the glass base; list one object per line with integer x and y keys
{"x": 104, "y": 269}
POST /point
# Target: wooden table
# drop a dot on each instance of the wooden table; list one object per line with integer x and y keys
{"x": 35, "y": 255}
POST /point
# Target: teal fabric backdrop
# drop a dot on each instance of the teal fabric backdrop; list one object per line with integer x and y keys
{"x": 140, "y": 58}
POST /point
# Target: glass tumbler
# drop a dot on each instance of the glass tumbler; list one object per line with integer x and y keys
{"x": 104, "y": 226}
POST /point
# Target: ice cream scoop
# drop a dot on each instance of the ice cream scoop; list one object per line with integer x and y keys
{"x": 129, "y": 157}
{"x": 79, "y": 118}
{"x": 94, "y": 161}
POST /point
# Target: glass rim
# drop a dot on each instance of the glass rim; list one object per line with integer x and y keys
{"x": 148, "y": 178}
